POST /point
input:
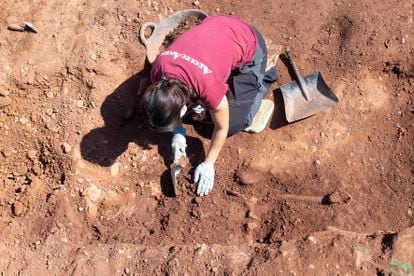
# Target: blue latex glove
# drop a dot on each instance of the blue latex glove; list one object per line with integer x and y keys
{"x": 204, "y": 176}
{"x": 178, "y": 144}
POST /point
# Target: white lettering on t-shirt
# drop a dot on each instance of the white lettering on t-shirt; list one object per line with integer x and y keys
{"x": 189, "y": 59}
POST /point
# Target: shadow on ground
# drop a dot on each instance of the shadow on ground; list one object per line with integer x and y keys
{"x": 124, "y": 122}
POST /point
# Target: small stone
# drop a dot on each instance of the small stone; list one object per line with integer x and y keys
{"x": 317, "y": 163}
{"x": 311, "y": 239}
{"x": 52, "y": 127}
{"x": 4, "y": 102}
{"x": 4, "y": 93}
{"x": 17, "y": 208}
{"x": 133, "y": 151}
{"x": 66, "y": 147}
{"x": 34, "y": 117}
{"x": 23, "y": 120}
{"x": 247, "y": 178}
{"x": 32, "y": 155}
{"x": 79, "y": 103}
{"x": 217, "y": 9}
{"x": 410, "y": 212}
{"x": 93, "y": 57}
{"x": 252, "y": 225}
{"x": 49, "y": 94}
{"x": 80, "y": 209}
{"x": 196, "y": 3}
{"x": 338, "y": 196}
{"x": 37, "y": 169}
{"x": 7, "y": 153}
{"x": 198, "y": 200}
{"x": 93, "y": 193}
{"x": 115, "y": 169}
{"x": 126, "y": 270}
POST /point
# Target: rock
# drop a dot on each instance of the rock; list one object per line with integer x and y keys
{"x": 92, "y": 193}
{"x": 338, "y": 197}
{"x": 23, "y": 120}
{"x": 4, "y": 93}
{"x": 37, "y": 169}
{"x": 79, "y": 103}
{"x": 49, "y": 94}
{"x": 34, "y": 117}
{"x": 198, "y": 200}
{"x": 199, "y": 250}
{"x": 5, "y": 102}
{"x": 17, "y": 208}
{"x": 32, "y": 155}
{"x": 7, "y": 153}
{"x": 115, "y": 169}
{"x": 403, "y": 249}
{"x": 66, "y": 147}
{"x": 311, "y": 239}
{"x": 134, "y": 151}
{"x": 247, "y": 178}
{"x": 20, "y": 170}
{"x": 196, "y": 3}
{"x": 252, "y": 225}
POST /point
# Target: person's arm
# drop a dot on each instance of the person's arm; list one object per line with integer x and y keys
{"x": 204, "y": 173}
{"x": 220, "y": 117}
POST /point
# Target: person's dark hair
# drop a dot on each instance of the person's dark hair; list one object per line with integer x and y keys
{"x": 163, "y": 101}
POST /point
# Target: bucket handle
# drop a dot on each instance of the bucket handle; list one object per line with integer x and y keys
{"x": 302, "y": 84}
{"x": 144, "y": 40}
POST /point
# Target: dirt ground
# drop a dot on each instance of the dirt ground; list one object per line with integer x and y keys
{"x": 85, "y": 186}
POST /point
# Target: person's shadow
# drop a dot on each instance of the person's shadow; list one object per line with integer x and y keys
{"x": 124, "y": 122}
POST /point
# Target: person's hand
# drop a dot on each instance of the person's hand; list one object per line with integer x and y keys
{"x": 204, "y": 176}
{"x": 179, "y": 144}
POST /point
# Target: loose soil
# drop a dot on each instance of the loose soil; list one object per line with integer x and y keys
{"x": 85, "y": 185}
{"x": 185, "y": 25}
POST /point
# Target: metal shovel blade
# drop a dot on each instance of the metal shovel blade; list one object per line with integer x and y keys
{"x": 298, "y": 107}
{"x": 175, "y": 170}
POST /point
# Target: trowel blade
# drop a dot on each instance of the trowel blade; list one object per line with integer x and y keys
{"x": 175, "y": 171}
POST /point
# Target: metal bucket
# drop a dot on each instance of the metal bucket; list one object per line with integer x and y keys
{"x": 162, "y": 29}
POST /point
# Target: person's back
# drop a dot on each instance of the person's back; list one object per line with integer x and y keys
{"x": 204, "y": 56}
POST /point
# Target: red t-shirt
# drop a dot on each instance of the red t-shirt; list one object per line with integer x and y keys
{"x": 204, "y": 56}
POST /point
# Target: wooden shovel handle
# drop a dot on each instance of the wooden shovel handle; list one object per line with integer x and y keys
{"x": 301, "y": 81}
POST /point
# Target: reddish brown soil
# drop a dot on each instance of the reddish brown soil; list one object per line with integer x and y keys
{"x": 85, "y": 186}
{"x": 185, "y": 25}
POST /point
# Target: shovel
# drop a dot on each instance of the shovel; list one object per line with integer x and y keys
{"x": 306, "y": 96}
